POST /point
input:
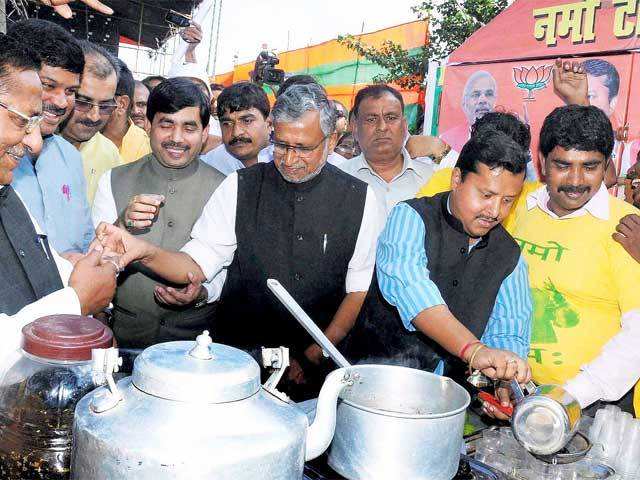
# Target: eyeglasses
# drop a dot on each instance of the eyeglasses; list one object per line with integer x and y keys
{"x": 350, "y": 150}
{"x": 85, "y": 106}
{"x": 280, "y": 149}
{"x": 26, "y": 122}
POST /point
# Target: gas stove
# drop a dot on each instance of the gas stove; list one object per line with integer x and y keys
{"x": 469, "y": 469}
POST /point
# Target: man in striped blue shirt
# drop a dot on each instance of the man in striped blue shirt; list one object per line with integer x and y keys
{"x": 451, "y": 288}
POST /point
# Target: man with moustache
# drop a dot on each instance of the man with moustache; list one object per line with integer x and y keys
{"x": 52, "y": 184}
{"x": 380, "y": 128}
{"x": 132, "y": 141}
{"x": 139, "y": 109}
{"x": 95, "y": 102}
{"x": 243, "y": 111}
{"x": 35, "y": 280}
{"x": 586, "y": 324}
{"x": 297, "y": 219}
{"x": 181, "y": 185}
{"x": 451, "y": 287}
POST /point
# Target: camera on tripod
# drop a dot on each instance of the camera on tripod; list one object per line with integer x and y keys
{"x": 265, "y": 70}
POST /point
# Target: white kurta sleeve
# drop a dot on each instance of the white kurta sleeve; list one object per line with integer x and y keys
{"x": 213, "y": 237}
{"x": 104, "y": 205}
{"x": 362, "y": 262}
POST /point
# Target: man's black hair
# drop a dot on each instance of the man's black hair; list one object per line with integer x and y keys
{"x": 243, "y": 96}
{"x": 601, "y": 68}
{"x": 507, "y": 123}
{"x": 494, "y": 149}
{"x": 216, "y": 86}
{"x": 375, "y": 91}
{"x": 174, "y": 94}
{"x": 15, "y": 56}
{"x": 296, "y": 80}
{"x": 151, "y": 78}
{"x": 53, "y": 44}
{"x": 98, "y": 61}
{"x": 576, "y": 127}
{"x": 126, "y": 83}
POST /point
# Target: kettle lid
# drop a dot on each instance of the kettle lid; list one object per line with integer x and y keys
{"x": 198, "y": 372}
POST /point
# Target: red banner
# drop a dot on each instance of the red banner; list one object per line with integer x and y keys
{"x": 551, "y": 28}
{"x": 507, "y": 65}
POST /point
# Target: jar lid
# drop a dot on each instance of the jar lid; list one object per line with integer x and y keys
{"x": 65, "y": 337}
{"x": 200, "y": 371}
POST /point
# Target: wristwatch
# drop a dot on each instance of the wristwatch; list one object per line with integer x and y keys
{"x": 202, "y": 298}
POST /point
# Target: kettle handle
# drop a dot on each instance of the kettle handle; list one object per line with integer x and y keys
{"x": 520, "y": 392}
{"x": 517, "y": 390}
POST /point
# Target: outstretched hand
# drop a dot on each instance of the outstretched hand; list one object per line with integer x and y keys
{"x": 62, "y": 9}
{"x": 119, "y": 241}
{"x": 181, "y": 297}
{"x": 501, "y": 365}
{"x": 570, "y": 82}
{"x": 192, "y": 34}
{"x": 628, "y": 235}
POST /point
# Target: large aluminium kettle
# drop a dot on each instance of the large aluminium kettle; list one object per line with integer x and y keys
{"x": 197, "y": 410}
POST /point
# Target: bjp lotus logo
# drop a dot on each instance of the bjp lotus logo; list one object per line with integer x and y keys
{"x": 532, "y": 79}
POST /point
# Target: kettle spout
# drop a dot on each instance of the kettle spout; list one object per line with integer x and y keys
{"x": 320, "y": 432}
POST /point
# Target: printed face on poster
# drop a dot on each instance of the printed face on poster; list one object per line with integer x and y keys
{"x": 525, "y": 88}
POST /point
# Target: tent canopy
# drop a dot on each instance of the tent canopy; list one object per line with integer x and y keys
{"x": 133, "y": 19}
{"x": 552, "y": 28}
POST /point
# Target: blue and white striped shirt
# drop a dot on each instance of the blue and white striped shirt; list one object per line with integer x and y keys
{"x": 403, "y": 275}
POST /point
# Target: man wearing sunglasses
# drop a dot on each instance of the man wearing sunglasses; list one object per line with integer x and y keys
{"x": 296, "y": 219}
{"x": 95, "y": 102}
{"x": 52, "y": 184}
{"x": 32, "y": 275}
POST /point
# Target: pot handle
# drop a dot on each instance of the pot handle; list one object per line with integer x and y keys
{"x": 106, "y": 362}
{"x": 277, "y": 359}
{"x": 320, "y": 432}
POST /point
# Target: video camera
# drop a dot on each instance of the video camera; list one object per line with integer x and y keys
{"x": 264, "y": 70}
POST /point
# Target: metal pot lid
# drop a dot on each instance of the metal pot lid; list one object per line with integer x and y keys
{"x": 197, "y": 372}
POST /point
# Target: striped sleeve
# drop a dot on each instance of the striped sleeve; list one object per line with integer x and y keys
{"x": 509, "y": 325}
{"x": 401, "y": 264}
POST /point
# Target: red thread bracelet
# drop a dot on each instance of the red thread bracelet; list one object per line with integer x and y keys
{"x": 466, "y": 347}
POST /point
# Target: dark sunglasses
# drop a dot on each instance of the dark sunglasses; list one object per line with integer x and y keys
{"x": 85, "y": 106}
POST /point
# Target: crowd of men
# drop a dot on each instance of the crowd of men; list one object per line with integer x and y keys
{"x": 195, "y": 194}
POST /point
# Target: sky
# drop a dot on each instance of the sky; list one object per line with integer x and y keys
{"x": 287, "y": 24}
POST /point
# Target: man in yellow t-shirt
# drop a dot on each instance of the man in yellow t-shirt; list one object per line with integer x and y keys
{"x": 131, "y": 141}
{"x": 586, "y": 326}
{"x": 135, "y": 144}
{"x": 98, "y": 156}
{"x": 504, "y": 122}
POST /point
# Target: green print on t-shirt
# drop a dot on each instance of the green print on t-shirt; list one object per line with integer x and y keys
{"x": 550, "y": 309}
{"x": 552, "y": 251}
